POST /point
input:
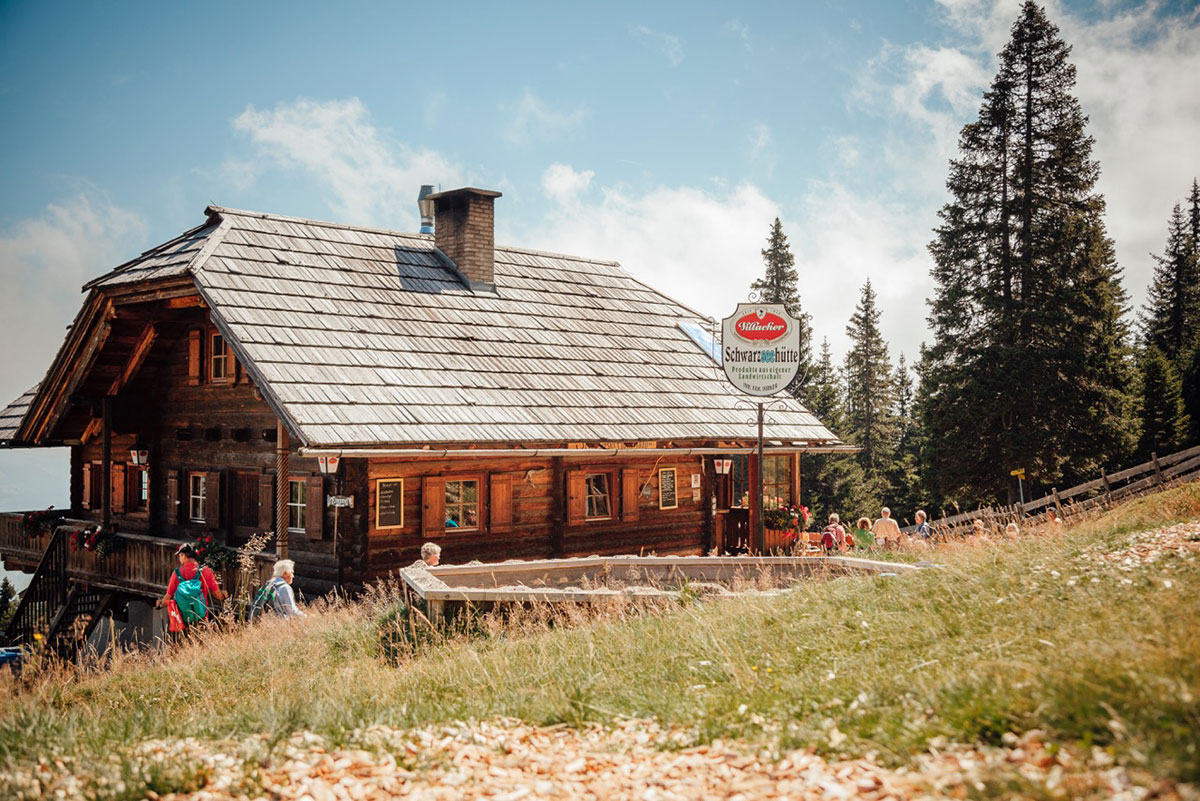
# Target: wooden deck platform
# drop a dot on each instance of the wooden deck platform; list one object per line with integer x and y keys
{"x": 142, "y": 566}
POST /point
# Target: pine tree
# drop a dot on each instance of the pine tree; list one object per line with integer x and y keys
{"x": 1191, "y": 362}
{"x": 870, "y": 393}
{"x": 904, "y": 473}
{"x": 1164, "y": 422}
{"x": 7, "y": 607}
{"x": 833, "y": 483}
{"x": 1172, "y": 311}
{"x": 779, "y": 285}
{"x": 1030, "y": 362}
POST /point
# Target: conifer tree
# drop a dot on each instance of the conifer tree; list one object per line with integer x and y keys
{"x": 1030, "y": 363}
{"x": 870, "y": 393}
{"x": 1191, "y": 362}
{"x": 7, "y": 607}
{"x": 833, "y": 483}
{"x": 904, "y": 472}
{"x": 779, "y": 285}
{"x": 1164, "y": 422}
{"x": 1172, "y": 311}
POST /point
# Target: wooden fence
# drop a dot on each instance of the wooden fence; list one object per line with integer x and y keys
{"x": 1100, "y": 492}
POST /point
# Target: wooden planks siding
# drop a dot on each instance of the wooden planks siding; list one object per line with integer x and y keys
{"x": 637, "y": 526}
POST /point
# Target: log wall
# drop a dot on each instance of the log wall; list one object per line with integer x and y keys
{"x": 540, "y": 526}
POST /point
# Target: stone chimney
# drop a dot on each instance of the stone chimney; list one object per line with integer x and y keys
{"x": 464, "y": 229}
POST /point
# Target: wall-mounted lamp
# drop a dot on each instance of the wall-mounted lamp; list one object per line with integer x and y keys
{"x": 139, "y": 454}
{"x": 723, "y": 466}
{"x": 328, "y": 464}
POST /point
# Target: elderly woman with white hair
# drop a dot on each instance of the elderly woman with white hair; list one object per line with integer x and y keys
{"x": 431, "y": 554}
{"x": 285, "y": 600}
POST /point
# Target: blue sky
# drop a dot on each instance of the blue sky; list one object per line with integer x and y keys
{"x": 667, "y": 136}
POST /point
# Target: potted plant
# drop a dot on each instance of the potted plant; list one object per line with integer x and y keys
{"x": 42, "y": 522}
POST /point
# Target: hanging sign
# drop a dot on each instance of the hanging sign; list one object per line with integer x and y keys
{"x": 760, "y": 346}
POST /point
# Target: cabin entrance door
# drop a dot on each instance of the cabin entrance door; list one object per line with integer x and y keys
{"x": 737, "y": 531}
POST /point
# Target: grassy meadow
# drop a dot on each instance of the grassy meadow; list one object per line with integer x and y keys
{"x": 1032, "y": 634}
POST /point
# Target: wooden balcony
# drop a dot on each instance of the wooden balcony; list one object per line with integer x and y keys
{"x": 141, "y": 566}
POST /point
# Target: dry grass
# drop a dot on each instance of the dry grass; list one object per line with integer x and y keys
{"x": 1020, "y": 635}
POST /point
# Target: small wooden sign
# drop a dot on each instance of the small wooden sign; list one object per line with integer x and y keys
{"x": 696, "y": 494}
{"x": 666, "y": 489}
{"x": 1019, "y": 472}
{"x": 695, "y": 480}
{"x": 389, "y": 503}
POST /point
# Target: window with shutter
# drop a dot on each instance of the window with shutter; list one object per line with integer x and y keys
{"x": 315, "y": 498}
{"x": 501, "y": 502}
{"x": 433, "y": 506}
{"x": 576, "y": 499}
{"x": 85, "y": 497}
{"x": 266, "y": 503}
{"x": 212, "y": 501}
{"x": 630, "y": 486}
{"x": 297, "y": 506}
{"x": 194, "y": 358}
{"x": 117, "y": 488}
{"x": 174, "y": 504}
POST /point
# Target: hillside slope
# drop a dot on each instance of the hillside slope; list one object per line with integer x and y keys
{"x": 1088, "y": 638}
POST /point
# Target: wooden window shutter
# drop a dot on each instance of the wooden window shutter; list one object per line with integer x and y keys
{"x": 195, "y": 363}
{"x": 85, "y": 500}
{"x": 576, "y": 498}
{"x": 314, "y": 507}
{"x": 629, "y": 494}
{"x": 117, "y": 489}
{"x": 433, "y": 505}
{"x": 212, "y": 500}
{"x": 501, "y": 502}
{"x": 173, "y": 505}
{"x": 266, "y": 502}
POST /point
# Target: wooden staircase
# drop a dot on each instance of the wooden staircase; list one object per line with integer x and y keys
{"x": 57, "y": 613}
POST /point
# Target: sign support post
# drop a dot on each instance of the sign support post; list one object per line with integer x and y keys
{"x": 761, "y": 534}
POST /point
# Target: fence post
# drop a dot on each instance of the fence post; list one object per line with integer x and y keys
{"x": 1158, "y": 478}
{"x": 1107, "y": 488}
{"x": 1057, "y": 502}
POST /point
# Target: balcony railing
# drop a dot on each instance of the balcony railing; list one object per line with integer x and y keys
{"x": 141, "y": 564}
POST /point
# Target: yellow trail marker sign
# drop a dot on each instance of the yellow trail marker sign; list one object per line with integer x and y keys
{"x": 1019, "y": 472}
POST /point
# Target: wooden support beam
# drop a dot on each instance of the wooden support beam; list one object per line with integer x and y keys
{"x": 185, "y": 302}
{"x": 106, "y": 467}
{"x": 137, "y": 357}
{"x": 93, "y": 428}
{"x": 74, "y": 378}
{"x": 282, "y": 487}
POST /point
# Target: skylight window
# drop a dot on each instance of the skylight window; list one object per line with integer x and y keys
{"x": 704, "y": 338}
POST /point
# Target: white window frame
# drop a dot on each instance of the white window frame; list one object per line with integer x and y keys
{"x": 216, "y": 357}
{"x": 197, "y": 500}
{"x": 589, "y": 495}
{"x": 297, "y": 509}
{"x": 462, "y": 505}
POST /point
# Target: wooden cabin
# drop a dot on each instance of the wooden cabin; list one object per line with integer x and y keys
{"x": 504, "y": 403}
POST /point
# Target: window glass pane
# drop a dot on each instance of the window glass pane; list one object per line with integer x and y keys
{"x": 596, "y": 487}
{"x": 297, "y": 504}
{"x": 462, "y": 504}
{"x": 739, "y": 479}
{"x": 197, "y": 487}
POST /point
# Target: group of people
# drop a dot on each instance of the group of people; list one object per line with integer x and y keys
{"x": 193, "y": 588}
{"x": 885, "y": 532}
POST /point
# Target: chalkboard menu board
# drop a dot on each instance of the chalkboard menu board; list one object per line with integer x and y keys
{"x": 389, "y": 503}
{"x": 666, "y": 489}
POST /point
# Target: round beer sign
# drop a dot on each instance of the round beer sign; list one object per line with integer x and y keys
{"x": 760, "y": 348}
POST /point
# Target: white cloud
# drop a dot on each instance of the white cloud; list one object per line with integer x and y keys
{"x": 668, "y": 44}
{"x": 532, "y": 120}
{"x": 760, "y": 147}
{"x": 366, "y": 176}
{"x": 701, "y": 247}
{"x": 739, "y": 29}
{"x": 563, "y": 184}
{"x": 50, "y": 257}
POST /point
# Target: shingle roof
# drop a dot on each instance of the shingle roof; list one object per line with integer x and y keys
{"x": 368, "y": 337}
{"x": 11, "y": 417}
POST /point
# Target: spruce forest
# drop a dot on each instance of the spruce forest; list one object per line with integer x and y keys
{"x": 1035, "y": 357}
